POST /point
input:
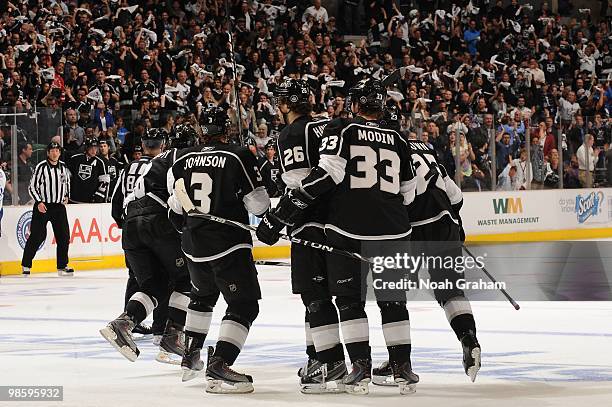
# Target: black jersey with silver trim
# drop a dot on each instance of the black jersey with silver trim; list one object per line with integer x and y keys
{"x": 222, "y": 180}
{"x": 125, "y": 185}
{"x": 436, "y": 193}
{"x": 369, "y": 169}
{"x": 298, "y": 150}
{"x": 153, "y": 183}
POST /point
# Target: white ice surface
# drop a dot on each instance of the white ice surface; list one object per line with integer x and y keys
{"x": 547, "y": 354}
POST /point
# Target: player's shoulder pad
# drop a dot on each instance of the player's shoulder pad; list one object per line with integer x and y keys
{"x": 243, "y": 153}
{"x": 335, "y": 126}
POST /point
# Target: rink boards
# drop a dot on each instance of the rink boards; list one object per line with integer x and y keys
{"x": 487, "y": 217}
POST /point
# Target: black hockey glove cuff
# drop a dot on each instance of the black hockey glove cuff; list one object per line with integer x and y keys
{"x": 178, "y": 221}
{"x": 291, "y": 206}
{"x": 269, "y": 229}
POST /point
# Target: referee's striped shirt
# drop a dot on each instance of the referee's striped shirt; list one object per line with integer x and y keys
{"x": 50, "y": 183}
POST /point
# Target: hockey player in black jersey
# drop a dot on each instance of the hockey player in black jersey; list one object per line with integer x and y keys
{"x": 89, "y": 180}
{"x": 113, "y": 167}
{"x": 124, "y": 186}
{"x": 153, "y": 246}
{"x": 223, "y": 180}
{"x": 298, "y": 147}
{"x": 368, "y": 172}
{"x": 269, "y": 167}
{"x": 149, "y": 253}
{"x": 434, "y": 216}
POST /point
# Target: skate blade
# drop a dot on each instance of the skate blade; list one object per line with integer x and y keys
{"x": 360, "y": 388}
{"x": 189, "y": 374}
{"x": 384, "y": 381}
{"x": 473, "y": 370}
{"x": 405, "y": 387}
{"x": 221, "y": 387}
{"x": 62, "y": 274}
{"x": 168, "y": 358}
{"x": 111, "y": 337}
{"x": 335, "y": 386}
{"x": 141, "y": 337}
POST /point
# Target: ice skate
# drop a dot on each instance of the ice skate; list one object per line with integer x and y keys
{"x": 383, "y": 375}
{"x": 309, "y": 362}
{"x": 142, "y": 332}
{"x": 223, "y": 380}
{"x": 172, "y": 345}
{"x": 357, "y": 381}
{"x": 318, "y": 378}
{"x": 25, "y": 271}
{"x": 405, "y": 378}
{"x": 471, "y": 355}
{"x": 119, "y": 334}
{"x": 65, "y": 272}
{"x": 191, "y": 365}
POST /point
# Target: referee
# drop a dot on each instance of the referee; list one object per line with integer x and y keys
{"x": 50, "y": 189}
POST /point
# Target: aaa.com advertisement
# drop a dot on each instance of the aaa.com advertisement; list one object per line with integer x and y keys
{"x": 93, "y": 232}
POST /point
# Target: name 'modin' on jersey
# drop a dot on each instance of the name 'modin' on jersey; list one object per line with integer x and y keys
{"x": 371, "y": 170}
{"x": 222, "y": 180}
{"x": 437, "y": 195}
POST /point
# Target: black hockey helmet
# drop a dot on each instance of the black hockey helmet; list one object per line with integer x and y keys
{"x": 157, "y": 134}
{"x": 271, "y": 144}
{"x": 293, "y": 92}
{"x": 184, "y": 136}
{"x": 369, "y": 93}
{"x": 54, "y": 144}
{"x": 391, "y": 118}
{"x": 214, "y": 122}
{"x": 91, "y": 142}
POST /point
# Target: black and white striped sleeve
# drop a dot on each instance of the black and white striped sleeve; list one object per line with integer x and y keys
{"x": 36, "y": 181}
{"x": 67, "y": 180}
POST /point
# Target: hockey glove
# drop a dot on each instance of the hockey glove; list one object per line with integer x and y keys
{"x": 269, "y": 229}
{"x": 178, "y": 221}
{"x": 291, "y": 206}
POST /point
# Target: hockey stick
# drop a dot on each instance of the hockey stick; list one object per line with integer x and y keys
{"x": 394, "y": 77}
{"x": 181, "y": 194}
{"x": 484, "y": 270}
{"x": 272, "y": 263}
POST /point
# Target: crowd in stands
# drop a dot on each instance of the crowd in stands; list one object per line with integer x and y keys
{"x": 509, "y": 94}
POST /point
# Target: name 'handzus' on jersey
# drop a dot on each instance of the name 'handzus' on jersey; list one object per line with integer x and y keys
{"x": 437, "y": 195}
{"x": 222, "y": 180}
{"x": 372, "y": 171}
{"x": 298, "y": 149}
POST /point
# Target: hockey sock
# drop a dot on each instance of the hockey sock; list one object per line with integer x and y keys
{"x": 325, "y": 331}
{"x": 310, "y": 349}
{"x": 177, "y": 307}
{"x": 459, "y": 315}
{"x": 355, "y": 328}
{"x": 396, "y": 330}
{"x": 199, "y": 316}
{"x": 140, "y": 306}
{"x": 235, "y": 329}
